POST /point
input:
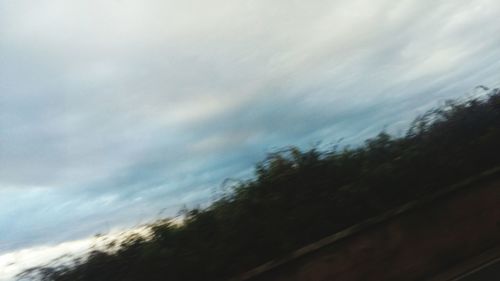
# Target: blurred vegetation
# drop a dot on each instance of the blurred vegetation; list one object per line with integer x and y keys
{"x": 297, "y": 197}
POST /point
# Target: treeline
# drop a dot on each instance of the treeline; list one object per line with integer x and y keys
{"x": 297, "y": 197}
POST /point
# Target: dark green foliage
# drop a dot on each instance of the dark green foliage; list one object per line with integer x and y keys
{"x": 297, "y": 197}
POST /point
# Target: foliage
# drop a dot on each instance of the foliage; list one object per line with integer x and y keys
{"x": 297, "y": 197}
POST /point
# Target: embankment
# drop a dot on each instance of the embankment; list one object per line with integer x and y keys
{"x": 414, "y": 242}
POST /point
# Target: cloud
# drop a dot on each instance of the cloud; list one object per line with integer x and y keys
{"x": 114, "y": 112}
{"x": 15, "y": 262}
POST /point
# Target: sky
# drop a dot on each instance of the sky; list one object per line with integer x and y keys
{"x": 114, "y": 113}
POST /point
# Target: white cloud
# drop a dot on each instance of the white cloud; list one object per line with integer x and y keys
{"x": 15, "y": 262}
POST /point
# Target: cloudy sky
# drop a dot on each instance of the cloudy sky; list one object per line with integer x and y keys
{"x": 115, "y": 112}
